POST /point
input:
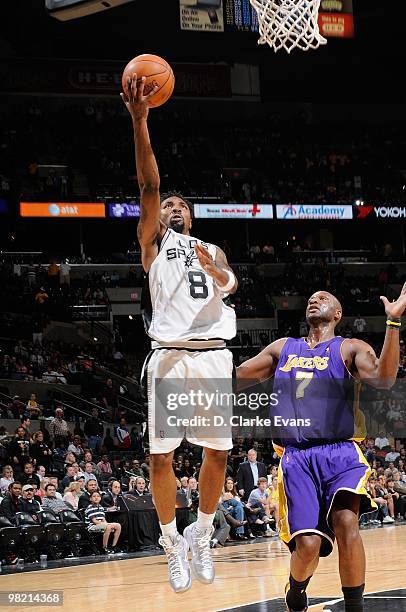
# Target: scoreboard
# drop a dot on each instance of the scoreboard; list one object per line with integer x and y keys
{"x": 335, "y": 17}
{"x": 240, "y": 16}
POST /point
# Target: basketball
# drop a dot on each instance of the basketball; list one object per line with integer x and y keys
{"x": 157, "y": 72}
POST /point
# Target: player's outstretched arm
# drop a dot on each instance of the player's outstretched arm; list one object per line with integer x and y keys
{"x": 149, "y": 226}
{"x": 262, "y": 366}
{"x": 381, "y": 373}
{"x": 219, "y": 269}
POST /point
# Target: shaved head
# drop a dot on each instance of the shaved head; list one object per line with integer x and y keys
{"x": 336, "y": 302}
{"x": 323, "y": 306}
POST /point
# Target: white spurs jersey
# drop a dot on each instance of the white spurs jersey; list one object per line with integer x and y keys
{"x": 186, "y": 302}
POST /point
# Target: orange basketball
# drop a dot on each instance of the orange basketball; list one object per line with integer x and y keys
{"x": 157, "y": 72}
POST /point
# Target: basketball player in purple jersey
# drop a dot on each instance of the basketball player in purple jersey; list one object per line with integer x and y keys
{"x": 322, "y": 482}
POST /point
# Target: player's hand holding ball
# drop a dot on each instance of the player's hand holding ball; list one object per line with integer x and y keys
{"x": 134, "y": 98}
{"x": 147, "y": 81}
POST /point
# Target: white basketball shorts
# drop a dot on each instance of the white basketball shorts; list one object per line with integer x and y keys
{"x": 177, "y": 370}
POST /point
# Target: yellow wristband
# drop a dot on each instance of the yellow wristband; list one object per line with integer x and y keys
{"x": 393, "y": 323}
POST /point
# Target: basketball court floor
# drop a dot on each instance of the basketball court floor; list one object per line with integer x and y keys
{"x": 250, "y": 577}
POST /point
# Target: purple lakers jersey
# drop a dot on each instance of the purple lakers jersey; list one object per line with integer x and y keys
{"x": 315, "y": 394}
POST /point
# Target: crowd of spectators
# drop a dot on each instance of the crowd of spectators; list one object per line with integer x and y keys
{"x": 358, "y": 294}
{"x": 283, "y": 158}
{"x": 53, "y": 469}
{"x": 386, "y": 485}
{"x": 80, "y": 370}
{"x": 37, "y": 362}
{"x": 49, "y": 291}
{"x": 43, "y": 293}
{"x": 61, "y": 363}
{"x": 49, "y": 465}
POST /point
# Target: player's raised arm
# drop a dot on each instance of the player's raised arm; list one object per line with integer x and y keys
{"x": 219, "y": 269}
{"x": 149, "y": 226}
{"x": 381, "y": 373}
{"x": 262, "y": 366}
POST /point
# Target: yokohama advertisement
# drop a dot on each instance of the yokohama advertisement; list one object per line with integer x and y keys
{"x": 381, "y": 212}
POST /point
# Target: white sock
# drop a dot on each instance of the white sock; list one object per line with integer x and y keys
{"x": 170, "y": 529}
{"x": 204, "y": 521}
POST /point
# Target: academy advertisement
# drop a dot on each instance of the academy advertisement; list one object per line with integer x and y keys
{"x": 314, "y": 211}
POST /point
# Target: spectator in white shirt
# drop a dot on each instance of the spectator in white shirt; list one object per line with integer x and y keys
{"x": 53, "y": 376}
{"x": 36, "y": 358}
{"x": 76, "y": 446}
{"x": 64, "y": 273}
{"x": 381, "y": 441}
{"x": 259, "y": 502}
{"x": 40, "y": 472}
{"x": 359, "y": 325}
{"x": 6, "y": 478}
{"x": 394, "y": 413}
{"x": 392, "y": 455}
{"x": 184, "y": 485}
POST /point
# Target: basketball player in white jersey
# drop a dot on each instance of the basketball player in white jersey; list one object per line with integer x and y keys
{"x": 188, "y": 280}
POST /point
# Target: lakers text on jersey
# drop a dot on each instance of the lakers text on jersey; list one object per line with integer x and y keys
{"x": 318, "y": 398}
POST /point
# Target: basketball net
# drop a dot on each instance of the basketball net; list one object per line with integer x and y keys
{"x": 289, "y": 24}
